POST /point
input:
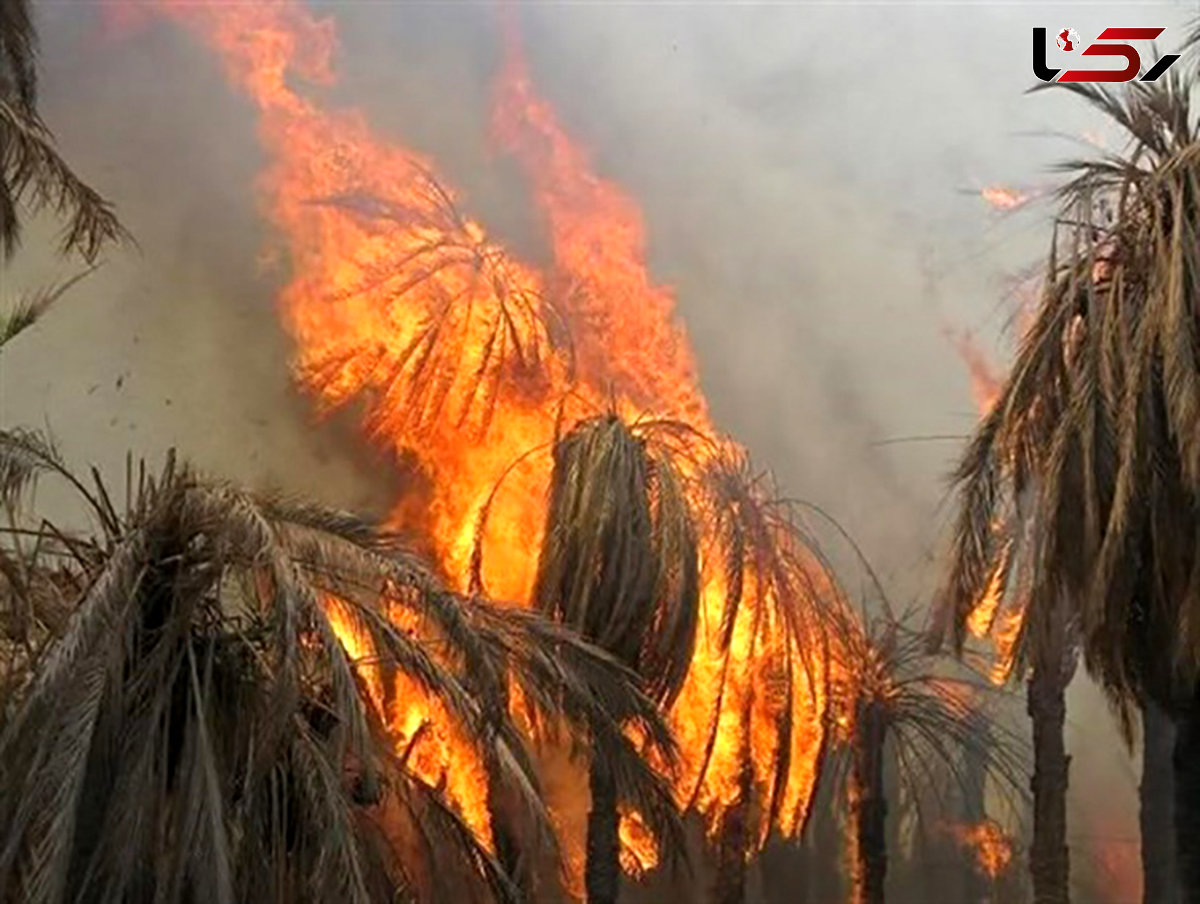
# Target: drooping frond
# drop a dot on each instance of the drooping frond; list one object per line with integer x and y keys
{"x": 443, "y": 288}
{"x": 1078, "y": 492}
{"x": 34, "y": 175}
{"x": 619, "y": 555}
{"x": 215, "y": 721}
{"x": 766, "y": 627}
{"x": 18, "y": 54}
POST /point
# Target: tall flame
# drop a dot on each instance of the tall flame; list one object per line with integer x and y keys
{"x": 990, "y": 617}
{"x": 470, "y": 360}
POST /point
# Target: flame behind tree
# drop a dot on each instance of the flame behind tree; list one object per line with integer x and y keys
{"x": 221, "y": 697}
{"x": 1092, "y": 445}
{"x": 468, "y": 359}
{"x": 619, "y": 564}
{"x": 639, "y": 502}
{"x": 889, "y": 694}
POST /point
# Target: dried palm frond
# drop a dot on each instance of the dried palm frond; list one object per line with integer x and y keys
{"x": 29, "y": 308}
{"x": 31, "y": 171}
{"x": 777, "y": 592}
{"x": 619, "y": 554}
{"x": 18, "y": 53}
{"x": 199, "y": 729}
{"x": 454, "y": 290}
{"x": 1080, "y": 487}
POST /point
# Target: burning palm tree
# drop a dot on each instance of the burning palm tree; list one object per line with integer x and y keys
{"x": 890, "y": 695}
{"x": 1079, "y": 489}
{"x": 665, "y": 548}
{"x": 619, "y": 564}
{"x": 771, "y": 628}
{"x": 216, "y": 717}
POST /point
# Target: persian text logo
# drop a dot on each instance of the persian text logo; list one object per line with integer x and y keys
{"x": 1068, "y": 41}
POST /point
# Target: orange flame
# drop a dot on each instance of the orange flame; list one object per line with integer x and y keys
{"x": 985, "y": 381}
{"x": 992, "y": 848}
{"x": 1003, "y": 198}
{"x": 399, "y": 299}
{"x": 987, "y": 617}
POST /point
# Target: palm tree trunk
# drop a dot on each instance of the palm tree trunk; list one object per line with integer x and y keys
{"x": 1160, "y": 881}
{"x": 1187, "y": 802}
{"x": 602, "y": 872}
{"x": 975, "y": 884}
{"x": 869, "y": 805}
{"x": 733, "y": 840}
{"x": 825, "y": 844}
{"x": 1049, "y": 857}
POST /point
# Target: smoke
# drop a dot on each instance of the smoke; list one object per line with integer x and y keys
{"x": 809, "y": 176}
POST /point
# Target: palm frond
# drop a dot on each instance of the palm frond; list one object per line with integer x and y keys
{"x": 33, "y": 174}
{"x": 456, "y": 290}
{"x": 1079, "y": 491}
{"x": 619, "y": 555}
{"x": 202, "y": 728}
{"x": 30, "y": 308}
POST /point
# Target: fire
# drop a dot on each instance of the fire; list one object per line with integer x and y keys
{"x": 985, "y": 381}
{"x": 1004, "y": 198}
{"x": 992, "y": 848}
{"x": 983, "y": 616}
{"x": 990, "y": 617}
{"x": 639, "y": 848}
{"x": 460, "y": 352}
{"x": 421, "y": 728}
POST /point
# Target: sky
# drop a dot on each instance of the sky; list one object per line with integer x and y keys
{"x": 809, "y": 175}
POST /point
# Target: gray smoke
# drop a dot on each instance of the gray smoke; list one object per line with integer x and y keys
{"x": 809, "y": 175}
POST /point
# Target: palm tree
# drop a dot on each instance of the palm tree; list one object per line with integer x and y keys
{"x": 199, "y": 728}
{"x": 618, "y": 564}
{"x": 772, "y": 625}
{"x": 1079, "y": 489}
{"x": 632, "y": 508}
{"x": 31, "y": 171}
{"x": 889, "y": 692}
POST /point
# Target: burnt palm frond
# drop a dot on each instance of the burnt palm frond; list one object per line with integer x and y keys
{"x": 619, "y": 557}
{"x": 770, "y": 617}
{"x": 1078, "y": 492}
{"x": 222, "y": 715}
{"x": 443, "y": 288}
